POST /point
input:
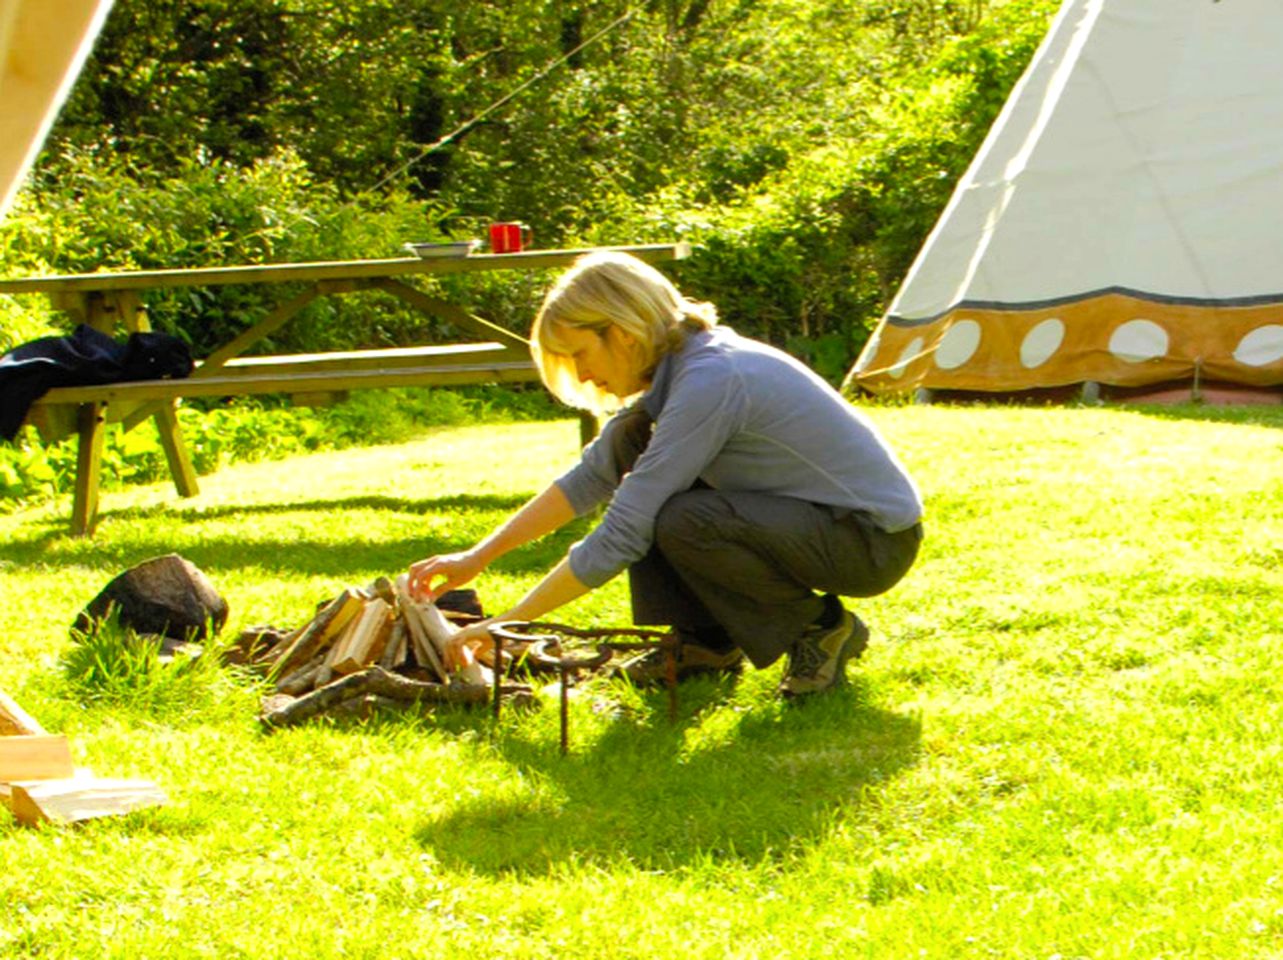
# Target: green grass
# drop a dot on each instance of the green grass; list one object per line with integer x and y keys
{"x": 1063, "y": 741}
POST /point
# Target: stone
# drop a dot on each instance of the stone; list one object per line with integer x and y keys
{"x": 166, "y": 596}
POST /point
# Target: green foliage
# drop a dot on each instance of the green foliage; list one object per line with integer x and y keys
{"x": 810, "y": 256}
{"x": 112, "y": 665}
{"x": 806, "y": 147}
{"x": 92, "y": 210}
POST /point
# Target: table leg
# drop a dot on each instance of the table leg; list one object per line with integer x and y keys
{"x": 171, "y": 439}
{"x": 84, "y": 511}
{"x": 130, "y": 307}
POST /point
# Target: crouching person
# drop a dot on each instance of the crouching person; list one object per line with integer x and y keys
{"x": 743, "y": 494}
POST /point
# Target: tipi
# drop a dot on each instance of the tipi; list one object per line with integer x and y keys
{"x": 43, "y": 44}
{"x": 1122, "y": 223}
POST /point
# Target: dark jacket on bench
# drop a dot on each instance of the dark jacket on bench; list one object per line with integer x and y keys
{"x": 85, "y": 358}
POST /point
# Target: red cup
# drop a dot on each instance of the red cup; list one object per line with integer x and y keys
{"x": 508, "y": 237}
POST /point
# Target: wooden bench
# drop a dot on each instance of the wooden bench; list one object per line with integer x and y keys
{"x": 110, "y": 300}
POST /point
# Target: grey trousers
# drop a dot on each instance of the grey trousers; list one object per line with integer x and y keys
{"x": 749, "y": 564}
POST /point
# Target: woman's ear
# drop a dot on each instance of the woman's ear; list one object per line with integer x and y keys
{"x": 622, "y": 337}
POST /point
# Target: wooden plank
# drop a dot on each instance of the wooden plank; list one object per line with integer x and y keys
{"x": 73, "y": 799}
{"x": 15, "y": 720}
{"x": 247, "y": 338}
{"x": 287, "y": 382}
{"x": 347, "y": 360}
{"x": 435, "y": 306}
{"x": 327, "y": 270}
{"x": 35, "y": 757}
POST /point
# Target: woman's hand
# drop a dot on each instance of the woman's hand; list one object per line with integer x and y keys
{"x": 476, "y": 640}
{"x": 451, "y": 569}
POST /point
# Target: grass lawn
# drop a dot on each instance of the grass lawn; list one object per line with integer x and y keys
{"x": 1064, "y": 740}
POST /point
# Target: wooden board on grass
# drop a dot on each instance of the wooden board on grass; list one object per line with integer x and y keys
{"x": 44, "y": 757}
{"x": 73, "y": 799}
{"x": 14, "y": 721}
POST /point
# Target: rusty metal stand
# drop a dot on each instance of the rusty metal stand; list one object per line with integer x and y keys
{"x": 545, "y": 649}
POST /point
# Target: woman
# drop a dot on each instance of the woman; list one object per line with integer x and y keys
{"x": 737, "y": 484}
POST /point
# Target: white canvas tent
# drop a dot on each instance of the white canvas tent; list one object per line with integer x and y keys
{"x": 1123, "y": 221}
{"x": 43, "y": 44}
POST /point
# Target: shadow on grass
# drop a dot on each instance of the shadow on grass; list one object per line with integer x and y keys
{"x": 51, "y": 545}
{"x": 1244, "y": 414}
{"x": 768, "y": 783}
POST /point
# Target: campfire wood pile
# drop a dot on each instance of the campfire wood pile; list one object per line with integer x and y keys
{"x": 371, "y": 646}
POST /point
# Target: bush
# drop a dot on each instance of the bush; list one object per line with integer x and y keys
{"x": 113, "y": 665}
{"x": 811, "y": 255}
{"x": 90, "y": 211}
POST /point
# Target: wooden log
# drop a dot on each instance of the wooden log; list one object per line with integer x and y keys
{"x": 16, "y": 721}
{"x": 266, "y": 659}
{"x": 441, "y": 631}
{"x": 321, "y": 630}
{"x": 334, "y": 651}
{"x": 35, "y": 757}
{"x": 421, "y": 644}
{"x": 302, "y": 679}
{"x": 380, "y": 682}
{"x": 80, "y": 798}
{"x": 394, "y": 653}
{"x": 383, "y": 588}
{"x": 382, "y": 637}
{"x": 372, "y": 629}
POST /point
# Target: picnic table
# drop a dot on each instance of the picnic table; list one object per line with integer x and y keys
{"x": 113, "y": 302}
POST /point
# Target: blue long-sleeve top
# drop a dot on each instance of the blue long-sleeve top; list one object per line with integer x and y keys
{"x": 737, "y": 414}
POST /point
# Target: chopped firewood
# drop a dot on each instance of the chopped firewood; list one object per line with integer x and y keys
{"x": 384, "y": 589}
{"x": 302, "y": 679}
{"x": 424, "y": 645}
{"x": 34, "y": 757}
{"x": 258, "y": 645}
{"x": 323, "y": 628}
{"x": 74, "y": 798}
{"x": 381, "y": 627}
{"x": 394, "y": 653}
{"x": 368, "y": 639}
{"x": 440, "y": 631}
{"x": 376, "y": 680}
{"x": 15, "y": 720}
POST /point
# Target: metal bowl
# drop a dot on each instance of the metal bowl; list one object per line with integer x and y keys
{"x": 432, "y": 251}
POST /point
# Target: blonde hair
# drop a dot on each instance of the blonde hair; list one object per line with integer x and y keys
{"x": 603, "y": 290}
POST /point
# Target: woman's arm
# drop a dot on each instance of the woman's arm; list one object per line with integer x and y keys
{"x": 558, "y": 588}
{"x": 543, "y": 514}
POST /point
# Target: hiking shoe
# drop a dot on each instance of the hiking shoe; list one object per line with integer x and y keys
{"x": 818, "y": 660}
{"x": 651, "y": 668}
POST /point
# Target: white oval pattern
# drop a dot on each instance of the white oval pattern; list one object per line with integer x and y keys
{"x": 1138, "y": 340}
{"x": 1261, "y": 346}
{"x": 958, "y": 344}
{"x": 907, "y": 355}
{"x": 1042, "y": 342}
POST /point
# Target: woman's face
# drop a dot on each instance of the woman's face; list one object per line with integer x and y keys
{"x": 611, "y": 360}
